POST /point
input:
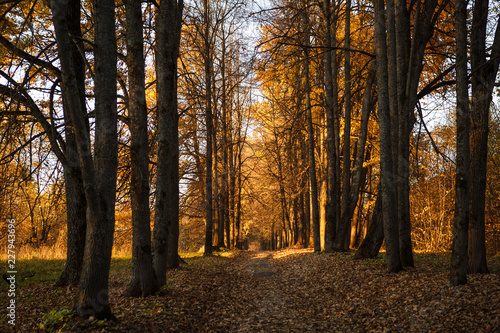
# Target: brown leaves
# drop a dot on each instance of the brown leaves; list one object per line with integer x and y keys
{"x": 289, "y": 291}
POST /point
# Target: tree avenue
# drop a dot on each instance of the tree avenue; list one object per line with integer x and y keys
{"x": 152, "y": 129}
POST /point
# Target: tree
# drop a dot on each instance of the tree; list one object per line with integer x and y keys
{"x": 458, "y": 273}
{"x": 332, "y": 133}
{"x": 99, "y": 168}
{"x": 483, "y": 76}
{"x": 310, "y": 132}
{"x": 207, "y": 58}
{"x": 166, "y": 229}
{"x": 143, "y": 281}
{"x": 387, "y": 175}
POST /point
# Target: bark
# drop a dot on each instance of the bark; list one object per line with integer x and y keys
{"x": 427, "y": 14}
{"x": 332, "y": 133}
{"x": 143, "y": 281}
{"x": 483, "y": 80}
{"x": 368, "y": 103}
{"x": 225, "y": 148}
{"x": 98, "y": 173}
{"x": 101, "y": 188}
{"x": 345, "y": 230}
{"x": 458, "y": 274}
{"x": 388, "y": 181}
{"x": 209, "y": 125}
{"x": 403, "y": 127}
{"x": 76, "y": 205}
{"x": 166, "y": 225}
{"x": 76, "y": 208}
{"x": 370, "y": 246}
{"x": 342, "y": 239}
{"x": 310, "y": 131}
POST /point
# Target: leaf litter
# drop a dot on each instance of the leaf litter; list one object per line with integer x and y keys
{"x": 292, "y": 290}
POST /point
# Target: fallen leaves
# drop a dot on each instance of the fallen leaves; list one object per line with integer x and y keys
{"x": 287, "y": 291}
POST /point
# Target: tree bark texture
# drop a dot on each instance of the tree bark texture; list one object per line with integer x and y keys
{"x": 209, "y": 125}
{"x": 372, "y": 243}
{"x": 458, "y": 274}
{"x": 76, "y": 205}
{"x": 311, "y": 145}
{"x": 143, "y": 281}
{"x": 388, "y": 177}
{"x": 483, "y": 75}
{"x": 166, "y": 226}
{"x": 98, "y": 173}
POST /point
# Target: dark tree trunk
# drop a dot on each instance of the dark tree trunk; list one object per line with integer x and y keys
{"x": 342, "y": 239}
{"x": 101, "y": 184}
{"x": 209, "y": 124}
{"x": 331, "y": 110}
{"x": 370, "y": 246}
{"x": 458, "y": 273}
{"x": 484, "y": 73}
{"x": 368, "y": 103}
{"x": 76, "y": 205}
{"x": 143, "y": 281}
{"x": 388, "y": 181}
{"x": 310, "y": 131}
{"x": 166, "y": 226}
{"x": 98, "y": 173}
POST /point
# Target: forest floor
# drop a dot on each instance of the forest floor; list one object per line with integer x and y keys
{"x": 292, "y": 290}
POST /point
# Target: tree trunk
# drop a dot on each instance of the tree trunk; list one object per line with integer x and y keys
{"x": 310, "y": 131}
{"x": 368, "y": 103}
{"x": 388, "y": 181}
{"x": 458, "y": 273}
{"x": 342, "y": 241}
{"x": 100, "y": 183}
{"x": 483, "y": 77}
{"x": 331, "y": 110}
{"x": 370, "y": 246}
{"x": 209, "y": 124}
{"x": 98, "y": 173}
{"x": 143, "y": 281}
{"x": 166, "y": 228}
{"x": 76, "y": 208}
{"x": 76, "y": 205}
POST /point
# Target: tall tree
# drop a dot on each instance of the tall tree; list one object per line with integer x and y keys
{"x": 75, "y": 193}
{"x": 310, "y": 131}
{"x": 207, "y": 58}
{"x": 343, "y": 237}
{"x": 458, "y": 274}
{"x": 483, "y": 75}
{"x": 98, "y": 169}
{"x": 166, "y": 228}
{"x": 331, "y": 110}
{"x": 143, "y": 281}
{"x": 387, "y": 175}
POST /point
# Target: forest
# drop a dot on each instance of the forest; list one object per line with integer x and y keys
{"x": 146, "y": 146}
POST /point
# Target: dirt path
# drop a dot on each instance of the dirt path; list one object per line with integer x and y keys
{"x": 271, "y": 305}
